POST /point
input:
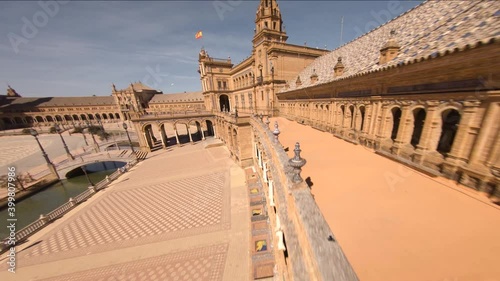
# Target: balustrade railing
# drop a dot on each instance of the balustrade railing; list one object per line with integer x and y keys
{"x": 35, "y": 226}
{"x": 313, "y": 251}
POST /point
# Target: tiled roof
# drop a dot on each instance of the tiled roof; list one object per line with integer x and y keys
{"x": 138, "y": 87}
{"x": 58, "y": 101}
{"x": 177, "y": 97}
{"x": 434, "y": 28}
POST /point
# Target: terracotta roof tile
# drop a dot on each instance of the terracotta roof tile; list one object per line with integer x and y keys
{"x": 59, "y": 101}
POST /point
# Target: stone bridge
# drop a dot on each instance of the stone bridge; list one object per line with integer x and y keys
{"x": 66, "y": 166}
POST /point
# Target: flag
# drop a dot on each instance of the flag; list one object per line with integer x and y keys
{"x": 198, "y": 35}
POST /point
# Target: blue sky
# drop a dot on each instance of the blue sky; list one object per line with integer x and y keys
{"x": 78, "y": 48}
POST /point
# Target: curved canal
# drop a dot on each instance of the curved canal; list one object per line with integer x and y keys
{"x": 28, "y": 210}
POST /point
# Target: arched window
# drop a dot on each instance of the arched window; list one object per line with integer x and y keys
{"x": 418, "y": 125}
{"x": 396, "y": 117}
{"x": 351, "y": 110}
{"x": 224, "y": 103}
{"x": 362, "y": 112}
{"x": 450, "y": 119}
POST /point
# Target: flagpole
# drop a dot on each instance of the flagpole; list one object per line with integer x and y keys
{"x": 341, "y": 29}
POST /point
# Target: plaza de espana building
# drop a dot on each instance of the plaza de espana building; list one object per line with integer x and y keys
{"x": 422, "y": 89}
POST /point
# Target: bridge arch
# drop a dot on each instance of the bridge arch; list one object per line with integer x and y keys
{"x": 91, "y": 166}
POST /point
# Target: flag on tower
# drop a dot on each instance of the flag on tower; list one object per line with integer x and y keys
{"x": 198, "y": 35}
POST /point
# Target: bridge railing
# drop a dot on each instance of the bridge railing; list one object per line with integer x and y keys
{"x": 312, "y": 250}
{"x": 44, "y": 220}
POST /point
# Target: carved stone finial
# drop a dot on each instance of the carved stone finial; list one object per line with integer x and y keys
{"x": 314, "y": 76}
{"x": 276, "y": 132}
{"x": 390, "y": 49}
{"x": 298, "y": 82}
{"x": 267, "y": 121}
{"x": 338, "y": 69}
{"x": 297, "y": 163}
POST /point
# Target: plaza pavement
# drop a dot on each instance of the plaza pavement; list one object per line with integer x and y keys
{"x": 394, "y": 223}
{"x": 180, "y": 215}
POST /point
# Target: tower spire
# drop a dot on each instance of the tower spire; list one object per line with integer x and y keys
{"x": 269, "y": 23}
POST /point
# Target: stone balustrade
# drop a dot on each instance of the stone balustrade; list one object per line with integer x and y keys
{"x": 312, "y": 250}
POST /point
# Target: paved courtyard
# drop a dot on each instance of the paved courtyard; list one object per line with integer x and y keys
{"x": 180, "y": 215}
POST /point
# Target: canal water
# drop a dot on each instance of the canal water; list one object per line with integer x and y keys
{"x": 29, "y": 209}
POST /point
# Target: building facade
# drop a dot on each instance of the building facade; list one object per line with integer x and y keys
{"x": 421, "y": 89}
{"x": 251, "y": 85}
{"x": 122, "y": 105}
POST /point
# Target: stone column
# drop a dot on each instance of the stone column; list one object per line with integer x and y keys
{"x": 367, "y": 120}
{"x": 333, "y": 112}
{"x": 189, "y": 133}
{"x": 402, "y": 137}
{"x": 486, "y": 150}
{"x": 428, "y": 132}
{"x": 177, "y": 137}
{"x": 488, "y": 130}
{"x": 202, "y": 134}
{"x": 464, "y": 138}
{"x": 463, "y": 141}
{"x": 373, "y": 119}
{"x": 163, "y": 143}
{"x": 144, "y": 134}
{"x": 382, "y": 124}
{"x": 494, "y": 155}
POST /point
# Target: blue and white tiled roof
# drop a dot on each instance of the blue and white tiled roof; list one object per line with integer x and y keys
{"x": 429, "y": 30}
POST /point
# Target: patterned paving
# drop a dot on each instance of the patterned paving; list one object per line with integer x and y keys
{"x": 198, "y": 264}
{"x": 139, "y": 215}
{"x": 14, "y": 149}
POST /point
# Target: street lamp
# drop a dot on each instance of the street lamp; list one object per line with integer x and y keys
{"x": 59, "y": 131}
{"x": 83, "y": 133}
{"x": 96, "y": 146}
{"x": 128, "y": 136}
{"x": 86, "y": 175}
{"x": 51, "y": 167}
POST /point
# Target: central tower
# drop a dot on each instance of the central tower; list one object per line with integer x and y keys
{"x": 268, "y": 23}
{"x": 251, "y": 85}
